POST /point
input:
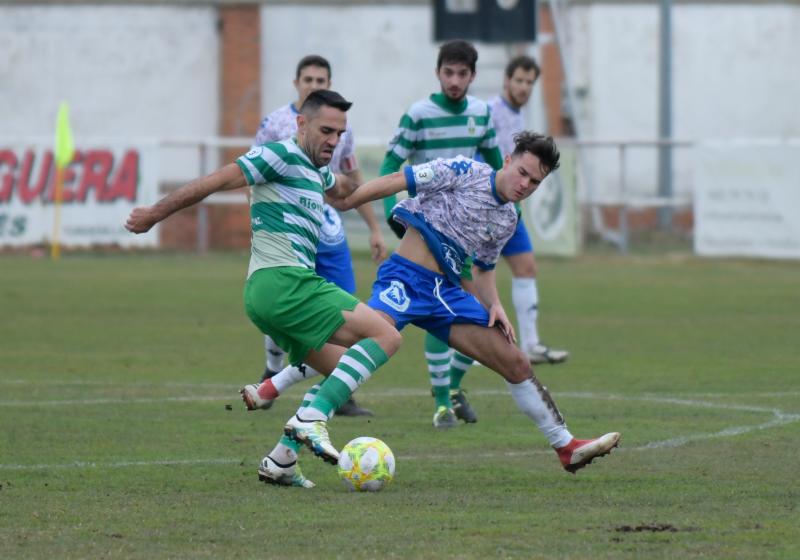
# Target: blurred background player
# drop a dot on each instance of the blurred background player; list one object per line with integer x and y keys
{"x": 334, "y": 262}
{"x": 445, "y": 125}
{"x": 520, "y": 76}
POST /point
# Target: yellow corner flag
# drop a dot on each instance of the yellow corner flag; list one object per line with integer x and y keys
{"x": 65, "y": 149}
{"x": 64, "y": 152}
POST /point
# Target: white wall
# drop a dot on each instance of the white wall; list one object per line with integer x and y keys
{"x": 127, "y": 71}
{"x": 383, "y": 59}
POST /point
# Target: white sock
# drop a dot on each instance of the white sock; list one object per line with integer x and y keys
{"x": 283, "y": 454}
{"x": 275, "y": 354}
{"x": 536, "y": 403}
{"x": 525, "y": 296}
{"x": 291, "y": 375}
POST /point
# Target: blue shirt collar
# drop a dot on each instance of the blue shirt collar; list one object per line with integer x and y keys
{"x": 494, "y": 189}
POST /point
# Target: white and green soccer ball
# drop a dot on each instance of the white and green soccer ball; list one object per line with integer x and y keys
{"x": 366, "y": 464}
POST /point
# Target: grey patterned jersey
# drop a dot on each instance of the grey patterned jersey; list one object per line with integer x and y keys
{"x": 507, "y": 122}
{"x": 457, "y": 210}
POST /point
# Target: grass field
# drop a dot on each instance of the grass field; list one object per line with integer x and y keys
{"x": 117, "y": 442}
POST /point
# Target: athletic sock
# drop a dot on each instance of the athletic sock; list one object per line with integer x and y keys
{"x": 459, "y": 364}
{"x": 355, "y": 367}
{"x": 285, "y": 452}
{"x": 437, "y": 354}
{"x": 534, "y": 400}
{"x": 275, "y": 354}
{"x": 290, "y": 375}
{"x": 267, "y": 390}
{"x": 525, "y": 296}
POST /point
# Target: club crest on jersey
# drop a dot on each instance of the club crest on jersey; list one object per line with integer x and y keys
{"x": 423, "y": 174}
{"x": 395, "y": 296}
{"x": 471, "y": 126}
{"x": 452, "y": 259}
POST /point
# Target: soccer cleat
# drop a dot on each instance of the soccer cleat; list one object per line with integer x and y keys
{"x": 542, "y": 354}
{"x": 580, "y": 452}
{"x": 252, "y": 400}
{"x": 444, "y": 418}
{"x": 351, "y": 408}
{"x": 461, "y": 407}
{"x": 314, "y": 435}
{"x": 271, "y": 472}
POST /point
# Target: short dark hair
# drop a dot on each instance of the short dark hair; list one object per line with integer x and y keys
{"x": 523, "y": 61}
{"x": 313, "y": 60}
{"x": 543, "y": 147}
{"x": 457, "y": 51}
{"x": 323, "y": 98}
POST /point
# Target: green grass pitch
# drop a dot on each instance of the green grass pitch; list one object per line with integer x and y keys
{"x": 116, "y": 440}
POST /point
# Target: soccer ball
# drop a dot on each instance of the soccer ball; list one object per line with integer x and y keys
{"x": 366, "y": 464}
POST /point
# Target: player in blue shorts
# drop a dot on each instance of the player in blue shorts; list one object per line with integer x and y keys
{"x": 462, "y": 208}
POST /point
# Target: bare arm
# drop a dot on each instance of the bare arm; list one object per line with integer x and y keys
{"x": 225, "y": 178}
{"x": 486, "y": 288}
{"x": 344, "y": 186}
{"x": 377, "y": 244}
{"x": 374, "y": 190}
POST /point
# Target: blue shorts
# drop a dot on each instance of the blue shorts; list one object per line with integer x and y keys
{"x": 520, "y": 242}
{"x": 336, "y": 266}
{"x": 410, "y": 293}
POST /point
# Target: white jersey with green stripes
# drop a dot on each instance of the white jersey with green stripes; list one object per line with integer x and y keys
{"x": 286, "y": 209}
{"x": 429, "y": 131}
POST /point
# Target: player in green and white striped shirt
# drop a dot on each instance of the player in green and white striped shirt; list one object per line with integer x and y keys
{"x": 284, "y": 297}
{"x": 444, "y": 125}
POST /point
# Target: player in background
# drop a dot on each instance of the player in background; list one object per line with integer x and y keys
{"x": 521, "y": 74}
{"x": 334, "y": 262}
{"x": 315, "y": 321}
{"x": 444, "y": 125}
{"x": 463, "y": 207}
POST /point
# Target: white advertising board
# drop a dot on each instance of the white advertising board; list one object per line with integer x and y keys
{"x": 747, "y": 201}
{"x": 101, "y": 186}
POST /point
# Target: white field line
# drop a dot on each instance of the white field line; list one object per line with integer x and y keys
{"x": 779, "y": 418}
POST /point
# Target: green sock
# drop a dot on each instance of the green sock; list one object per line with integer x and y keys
{"x": 354, "y": 368}
{"x": 291, "y": 444}
{"x": 437, "y": 354}
{"x": 459, "y": 364}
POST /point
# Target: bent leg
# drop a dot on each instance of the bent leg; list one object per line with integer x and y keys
{"x": 490, "y": 347}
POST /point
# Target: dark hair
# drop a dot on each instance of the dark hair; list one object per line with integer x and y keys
{"x": 543, "y": 147}
{"x": 522, "y": 61}
{"x": 313, "y": 60}
{"x": 323, "y": 98}
{"x": 457, "y": 51}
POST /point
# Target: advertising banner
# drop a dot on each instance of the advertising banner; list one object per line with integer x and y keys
{"x": 102, "y": 184}
{"x": 746, "y": 201}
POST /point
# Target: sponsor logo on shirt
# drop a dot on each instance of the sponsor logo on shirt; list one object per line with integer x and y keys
{"x": 254, "y": 152}
{"x": 460, "y": 166}
{"x": 310, "y": 204}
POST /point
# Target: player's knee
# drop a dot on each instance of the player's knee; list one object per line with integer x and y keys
{"x": 519, "y": 368}
{"x": 390, "y": 340}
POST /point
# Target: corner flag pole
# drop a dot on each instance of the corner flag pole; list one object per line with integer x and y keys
{"x": 64, "y": 152}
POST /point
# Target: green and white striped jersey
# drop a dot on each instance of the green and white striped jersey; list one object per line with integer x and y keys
{"x": 438, "y": 128}
{"x": 285, "y": 204}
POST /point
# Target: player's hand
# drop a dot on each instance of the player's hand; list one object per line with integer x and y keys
{"x": 398, "y": 228}
{"x": 142, "y": 219}
{"x": 498, "y": 317}
{"x": 377, "y": 246}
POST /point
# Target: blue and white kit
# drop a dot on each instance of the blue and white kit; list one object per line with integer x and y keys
{"x": 456, "y": 209}
{"x": 334, "y": 262}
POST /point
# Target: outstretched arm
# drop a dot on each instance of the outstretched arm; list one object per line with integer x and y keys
{"x": 374, "y": 190}
{"x": 225, "y": 178}
{"x": 377, "y": 244}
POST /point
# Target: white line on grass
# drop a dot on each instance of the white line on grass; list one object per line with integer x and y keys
{"x": 780, "y": 418}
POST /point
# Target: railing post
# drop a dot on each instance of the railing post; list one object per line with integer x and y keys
{"x": 624, "y": 233}
{"x": 202, "y": 208}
